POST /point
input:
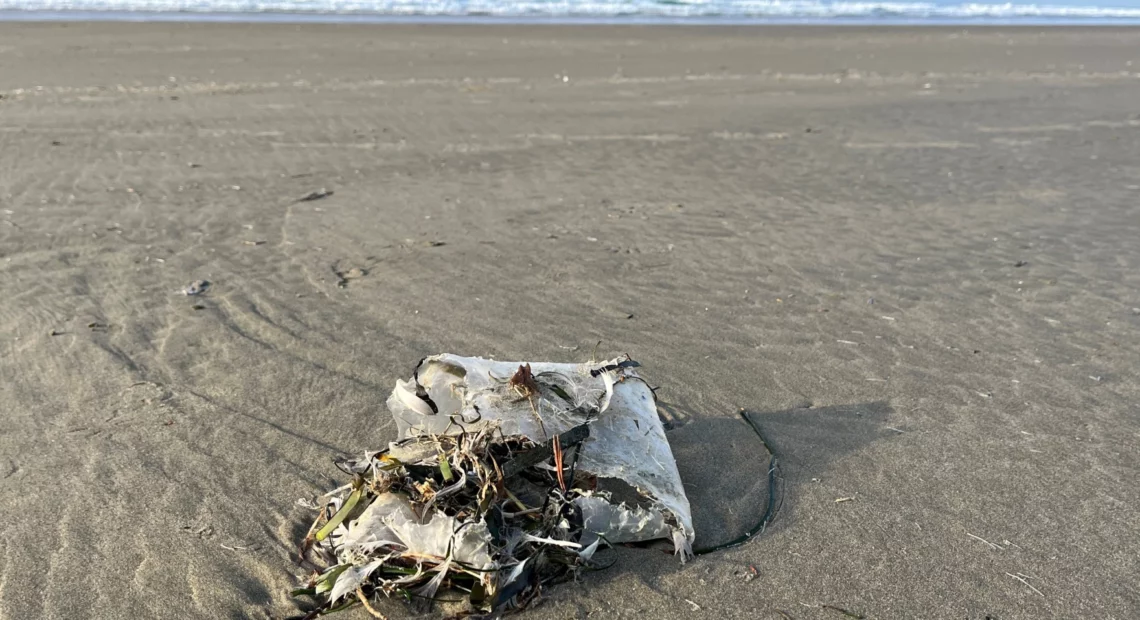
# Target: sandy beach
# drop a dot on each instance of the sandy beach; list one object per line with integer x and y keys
{"x": 911, "y": 254}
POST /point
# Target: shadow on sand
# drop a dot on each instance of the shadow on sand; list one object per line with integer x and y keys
{"x": 724, "y": 464}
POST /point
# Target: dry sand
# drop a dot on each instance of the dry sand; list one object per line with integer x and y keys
{"x": 912, "y": 253}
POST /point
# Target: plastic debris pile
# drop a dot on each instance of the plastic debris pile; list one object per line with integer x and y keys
{"x": 494, "y": 487}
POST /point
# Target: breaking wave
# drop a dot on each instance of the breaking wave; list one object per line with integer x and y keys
{"x": 645, "y": 9}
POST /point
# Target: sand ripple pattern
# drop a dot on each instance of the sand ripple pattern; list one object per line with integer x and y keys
{"x": 912, "y": 253}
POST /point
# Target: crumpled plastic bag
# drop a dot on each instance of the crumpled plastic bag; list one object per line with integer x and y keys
{"x": 493, "y": 484}
{"x": 452, "y": 394}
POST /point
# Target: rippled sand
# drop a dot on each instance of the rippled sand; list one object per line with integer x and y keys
{"x": 912, "y": 254}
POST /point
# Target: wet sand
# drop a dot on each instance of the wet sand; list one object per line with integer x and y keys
{"x": 911, "y": 253}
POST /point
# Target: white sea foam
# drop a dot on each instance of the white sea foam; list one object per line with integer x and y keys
{"x": 662, "y": 9}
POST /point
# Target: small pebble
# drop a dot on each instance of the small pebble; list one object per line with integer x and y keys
{"x": 196, "y": 287}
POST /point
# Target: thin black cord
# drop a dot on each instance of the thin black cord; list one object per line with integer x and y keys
{"x": 769, "y": 512}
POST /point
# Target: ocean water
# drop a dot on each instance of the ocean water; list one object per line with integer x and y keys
{"x": 1123, "y": 12}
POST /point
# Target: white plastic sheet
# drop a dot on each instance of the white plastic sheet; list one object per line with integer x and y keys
{"x": 450, "y": 394}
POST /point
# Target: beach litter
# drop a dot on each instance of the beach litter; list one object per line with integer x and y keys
{"x": 316, "y": 195}
{"x": 343, "y": 276}
{"x": 196, "y": 287}
{"x": 504, "y": 479}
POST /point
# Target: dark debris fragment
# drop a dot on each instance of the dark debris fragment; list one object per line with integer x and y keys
{"x": 316, "y": 195}
{"x": 197, "y": 287}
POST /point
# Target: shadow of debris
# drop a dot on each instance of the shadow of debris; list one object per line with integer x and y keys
{"x": 724, "y": 463}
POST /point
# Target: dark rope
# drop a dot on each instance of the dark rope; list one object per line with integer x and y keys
{"x": 769, "y": 512}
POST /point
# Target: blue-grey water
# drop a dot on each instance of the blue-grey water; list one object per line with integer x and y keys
{"x": 571, "y": 11}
